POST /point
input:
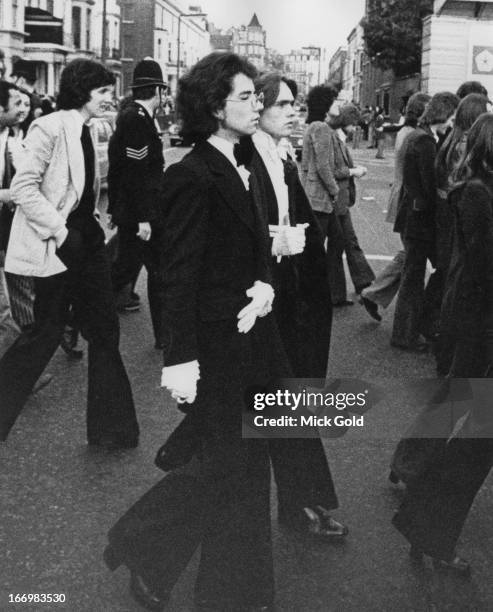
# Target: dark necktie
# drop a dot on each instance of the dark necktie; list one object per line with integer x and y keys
{"x": 89, "y": 158}
{"x": 243, "y": 152}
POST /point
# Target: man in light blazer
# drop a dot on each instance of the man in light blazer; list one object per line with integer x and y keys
{"x": 56, "y": 238}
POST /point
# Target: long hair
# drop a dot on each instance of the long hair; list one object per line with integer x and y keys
{"x": 415, "y": 107}
{"x": 5, "y": 88}
{"x": 78, "y": 79}
{"x": 203, "y": 91}
{"x": 452, "y": 150}
{"x": 477, "y": 161}
{"x": 319, "y": 100}
{"x": 440, "y": 108}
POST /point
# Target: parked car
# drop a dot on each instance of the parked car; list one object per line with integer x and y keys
{"x": 104, "y": 130}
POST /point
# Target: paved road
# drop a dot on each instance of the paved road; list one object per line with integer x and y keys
{"x": 58, "y": 498}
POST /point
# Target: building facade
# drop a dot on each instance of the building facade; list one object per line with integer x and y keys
{"x": 307, "y": 66}
{"x": 457, "y": 45}
{"x": 161, "y": 30}
{"x": 337, "y": 64}
{"x": 250, "y": 41}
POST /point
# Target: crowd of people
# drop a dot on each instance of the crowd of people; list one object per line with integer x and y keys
{"x": 244, "y": 260}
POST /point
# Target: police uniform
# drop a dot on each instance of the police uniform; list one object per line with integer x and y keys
{"x": 134, "y": 187}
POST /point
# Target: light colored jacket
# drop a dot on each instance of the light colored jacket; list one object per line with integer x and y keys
{"x": 47, "y": 186}
{"x": 317, "y": 175}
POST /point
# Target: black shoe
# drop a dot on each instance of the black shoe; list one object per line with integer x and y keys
{"x": 457, "y": 565}
{"x": 343, "y": 303}
{"x": 317, "y": 522}
{"x": 371, "y": 308}
{"x": 114, "y": 442}
{"x": 416, "y": 347}
{"x": 143, "y": 595}
{"x": 42, "y": 382}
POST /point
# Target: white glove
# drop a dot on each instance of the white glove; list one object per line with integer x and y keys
{"x": 262, "y": 296}
{"x": 288, "y": 240}
{"x": 181, "y": 380}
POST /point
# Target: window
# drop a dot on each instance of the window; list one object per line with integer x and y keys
{"x": 15, "y": 13}
{"x": 76, "y": 19}
{"x": 50, "y": 6}
{"x": 88, "y": 29}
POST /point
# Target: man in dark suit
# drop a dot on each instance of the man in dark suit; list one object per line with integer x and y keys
{"x": 218, "y": 344}
{"x": 414, "y": 312}
{"x": 135, "y": 177}
{"x": 302, "y": 307}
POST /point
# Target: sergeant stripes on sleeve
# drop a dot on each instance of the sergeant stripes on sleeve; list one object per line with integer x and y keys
{"x": 137, "y": 153}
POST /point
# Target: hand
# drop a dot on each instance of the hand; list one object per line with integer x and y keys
{"x": 181, "y": 381}
{"x": 358, "y": 171}
{"x": 262, "y": 296}
{"x": 288, "y": 240}
{"x": 144, "y": 232}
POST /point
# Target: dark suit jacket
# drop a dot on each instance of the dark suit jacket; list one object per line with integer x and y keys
{"x": 302, "y": 306}
{"x": 467, "y": 310}
{"x": 213, "y": 248}
{"x": 343, "y": 162}
{"x": 136, "y": 165}
{"x": 416, "y": 214}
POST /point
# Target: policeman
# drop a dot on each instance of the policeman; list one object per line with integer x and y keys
{"x": 134, "y": 185}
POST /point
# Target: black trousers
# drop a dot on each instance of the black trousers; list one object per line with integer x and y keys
{"x": 417, "y": 309}
{"x": 132, "y": 254}
{"x": 224, "y": 507}
{"x": 341, "y": 238}
{"x": 436, "y": 505}
{"x": 110, "y": 407}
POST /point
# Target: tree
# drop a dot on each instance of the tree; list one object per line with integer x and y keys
{"x": 393, "y": 33}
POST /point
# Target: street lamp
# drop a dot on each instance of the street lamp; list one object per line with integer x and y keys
{"x": 178, "y": 40}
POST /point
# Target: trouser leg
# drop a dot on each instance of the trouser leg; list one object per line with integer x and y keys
{"x": 386, "y": 285}
{"x": 335, "y": 249}
{"x": 128, "y": 262}
{"x": 24, "y": 362}
{"x": 409, "y": 308}
{"x": 436, "y": 505}
{"x": 359, "y": 269}
{"x": 9, "y": 329}
{"x": 21, "y": 292}
{"x": 302, "y": 476}
{"x": 110, "y": 406}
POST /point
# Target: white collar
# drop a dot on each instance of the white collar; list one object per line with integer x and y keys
{"x": 264, "y": 142}
{"x": 341, "y": 134}
{"x": 146, "y": 106}
{"x": 226, "y": 148}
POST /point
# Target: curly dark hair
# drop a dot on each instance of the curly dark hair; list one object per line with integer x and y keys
{"x": 319, "y": 100}
{"x": 78, "y": 79}
{"x": 203, "y": 91}
{"x": 469, "y": 87}
{"x": 5, "y": 88}
{"x": 348, "y": 115}
{"x": 440, "y": 108}
{"x": 415, "y": 107}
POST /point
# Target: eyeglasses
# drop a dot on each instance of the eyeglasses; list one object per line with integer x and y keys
{"x": 251, "y": 97}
